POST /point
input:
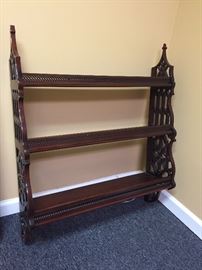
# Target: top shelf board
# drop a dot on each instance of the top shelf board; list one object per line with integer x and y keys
{"x": 61, "y": 80}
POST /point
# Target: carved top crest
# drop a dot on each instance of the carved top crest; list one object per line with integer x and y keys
{"x": 163, "y": 68}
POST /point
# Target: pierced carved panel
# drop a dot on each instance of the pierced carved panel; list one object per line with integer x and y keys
{"x": 160, "y": 161}
{"x": 12, "y": 68}
{"x": 160, "y": 107}
{"x": 24, "y": 189}
{"x": 22, "y": 181}
{"x": 159, "y": 148}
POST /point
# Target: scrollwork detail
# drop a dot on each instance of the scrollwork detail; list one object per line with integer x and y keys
{"x": 160, "y": 161}
{"x": 24, "y": 193}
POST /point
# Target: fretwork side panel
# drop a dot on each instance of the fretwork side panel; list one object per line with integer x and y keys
{"x": 23, "y": 162}
{"x": 22, "y": 151}
{"x": 18, "y": 126}
{"x": 161, "y": 111}
{"x": 159, "y": 148}
{"x": 160, "y": 162}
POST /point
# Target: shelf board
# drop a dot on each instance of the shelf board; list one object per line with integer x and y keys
{"x": 41, "y": 144}
{"x": 75, "y": 201}
{"x": 62, "y": 80}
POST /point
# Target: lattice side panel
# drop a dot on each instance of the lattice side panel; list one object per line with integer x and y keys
{"x": 23, "y": 162}
{"x": 160, "y": 160}
{"x": 160, "y": 107}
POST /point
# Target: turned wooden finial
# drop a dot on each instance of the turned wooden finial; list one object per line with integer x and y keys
{"x": 163, "y": 68}
{"x": 12, "y": 29}
{"x": 14, "y": 50}
{"x": 164, "y": 48}
{"x": 14, "y": 56}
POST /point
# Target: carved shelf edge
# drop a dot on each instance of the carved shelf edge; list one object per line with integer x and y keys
{"x": 63, "y": 80}
{"x": 76, "y": 201}
{"x": 41, "y": 144}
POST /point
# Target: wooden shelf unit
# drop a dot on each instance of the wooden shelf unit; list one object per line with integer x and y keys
{"x": 160, "y": 134}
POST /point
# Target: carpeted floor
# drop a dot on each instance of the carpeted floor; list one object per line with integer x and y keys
{"x": 129, "y": 236}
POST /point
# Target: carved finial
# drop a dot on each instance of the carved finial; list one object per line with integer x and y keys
{"x": 15, "y": 65}
{"x": 12, "y": 29}
{"x": 14, "y": 50}
{"x": 163, "y": 68}
{"x": 164, "y": 48}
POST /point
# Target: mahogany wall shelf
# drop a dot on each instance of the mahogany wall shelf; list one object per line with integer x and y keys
{"x": 160, "y": 134}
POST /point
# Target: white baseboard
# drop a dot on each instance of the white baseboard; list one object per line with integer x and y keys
{"x": 11, "y": 206}
{"x": 182, "y": 213}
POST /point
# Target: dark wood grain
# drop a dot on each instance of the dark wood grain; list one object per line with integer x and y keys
{"x": 159, "y": 158}
{"x": 61, "y": 80}
{"x": 160, "y": 134}
{"x": 71, "y": 201}
{"x": 41, "y": 144}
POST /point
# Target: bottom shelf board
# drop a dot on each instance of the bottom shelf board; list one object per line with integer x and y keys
{"x": 122, "y": 188}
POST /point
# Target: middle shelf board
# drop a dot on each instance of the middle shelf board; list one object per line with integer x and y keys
{"x": 41, "y": 144}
